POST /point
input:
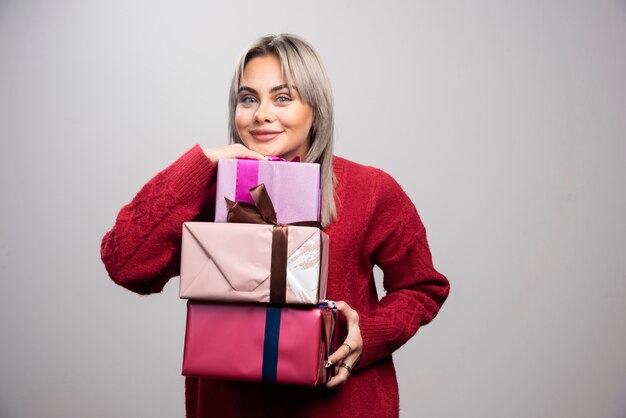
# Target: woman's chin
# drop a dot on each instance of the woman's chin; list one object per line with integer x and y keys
{"x": 271, "y": 151}
{"x": 275, "y": 150}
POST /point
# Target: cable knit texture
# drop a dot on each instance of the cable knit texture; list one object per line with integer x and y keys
{"x": 377, "y": 224}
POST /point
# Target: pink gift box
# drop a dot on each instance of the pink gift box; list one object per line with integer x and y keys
{"x": 258, "y": 343}
{"x": 233, "y": 261}
{"x": 293, "y": 187}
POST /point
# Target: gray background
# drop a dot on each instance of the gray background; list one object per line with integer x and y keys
{"x": 505, "y": 122}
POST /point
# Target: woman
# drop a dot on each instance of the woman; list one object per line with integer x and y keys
{"x": 281, "y": 104}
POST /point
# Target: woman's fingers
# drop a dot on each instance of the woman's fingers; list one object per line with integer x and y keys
{"x": 346, "y": 349}
{"x": 338, "y": 379}
{"x": 348, "y": 353}
{"x": 353, "y": 344}
{"x": 343, "y": 371}
{"x": 231, "y": 151}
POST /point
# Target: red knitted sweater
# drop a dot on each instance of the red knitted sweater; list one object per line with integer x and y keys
{"x": 376, "y": 224}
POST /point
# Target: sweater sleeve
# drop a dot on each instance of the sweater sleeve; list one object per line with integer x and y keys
{"x": 415, "y": 291}
{"x": 142, "y": 250}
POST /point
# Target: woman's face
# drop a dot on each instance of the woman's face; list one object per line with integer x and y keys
{"x": 269, "y": 119}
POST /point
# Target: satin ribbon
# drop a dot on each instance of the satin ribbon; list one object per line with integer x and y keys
{"x": 270, "y": 344}
{"x": 246, "y": 178}
{"x": 262, "y": 212}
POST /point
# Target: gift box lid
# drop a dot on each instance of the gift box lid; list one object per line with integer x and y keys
{"x": 294, "y": 187}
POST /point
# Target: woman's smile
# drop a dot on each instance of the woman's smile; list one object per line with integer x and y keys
{"x": 264, "y": 134}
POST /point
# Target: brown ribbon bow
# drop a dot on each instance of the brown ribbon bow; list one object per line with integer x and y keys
{"x": 263, "y": 213}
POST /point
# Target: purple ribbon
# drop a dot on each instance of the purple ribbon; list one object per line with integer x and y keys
{"x": 247, "y": 178}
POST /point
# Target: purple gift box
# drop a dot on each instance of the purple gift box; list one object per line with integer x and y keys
{"x": 294, "y": 187}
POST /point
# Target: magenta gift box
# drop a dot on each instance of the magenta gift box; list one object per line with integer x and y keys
{"x": 293, "y": 187}
{"x": 233, "y": 261}
{"x": 257, "y": 343}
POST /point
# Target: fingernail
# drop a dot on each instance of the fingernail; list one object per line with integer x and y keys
{"x": 328, "y": 364}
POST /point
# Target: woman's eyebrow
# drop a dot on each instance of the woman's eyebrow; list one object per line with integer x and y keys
{"x": 272, "y": 90}
{"x": 248, "y": 89}
{"x": 280, "y": 87}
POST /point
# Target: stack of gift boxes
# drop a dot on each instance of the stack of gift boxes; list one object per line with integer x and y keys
{"x": 255, "y": 279}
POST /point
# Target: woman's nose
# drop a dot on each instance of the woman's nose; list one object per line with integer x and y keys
{"x": 264, "y": 113}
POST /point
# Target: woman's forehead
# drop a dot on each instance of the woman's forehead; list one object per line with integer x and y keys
{"x": 265, "y": 72}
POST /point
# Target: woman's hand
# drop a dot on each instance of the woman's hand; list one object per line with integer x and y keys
{"x": 348, "y": 354}
{"x": 231, "y": 151}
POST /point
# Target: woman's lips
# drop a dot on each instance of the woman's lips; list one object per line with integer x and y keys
{"x": 264, "y": 135}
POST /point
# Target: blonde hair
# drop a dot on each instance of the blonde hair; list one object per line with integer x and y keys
{"x": 302, "y": 67}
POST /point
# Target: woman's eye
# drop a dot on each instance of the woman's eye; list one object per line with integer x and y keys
{"x": 247, "y": 100}
{"x": 283, "y": 99}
